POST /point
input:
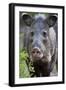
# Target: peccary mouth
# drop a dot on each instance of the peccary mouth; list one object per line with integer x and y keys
{"x": 42, "y": 67}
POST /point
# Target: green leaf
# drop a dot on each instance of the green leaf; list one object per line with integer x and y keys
{"x": 23, "y": 55}
{"x": 24, "y": 72}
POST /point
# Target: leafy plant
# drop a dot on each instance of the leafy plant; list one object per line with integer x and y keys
{"x": 26, "y": 68}
{"x": 23, "y": 68}
{"x": 23, "y": 55}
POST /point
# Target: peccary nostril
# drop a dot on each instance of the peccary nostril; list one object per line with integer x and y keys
{"x": 38, "y": 52}
{"x": 35, "y": 51}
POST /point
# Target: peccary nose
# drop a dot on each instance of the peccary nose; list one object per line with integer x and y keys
{"x": 36, "y": 53}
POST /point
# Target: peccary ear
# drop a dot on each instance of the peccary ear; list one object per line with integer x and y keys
{"x": 27, "y": 19}
{"x": 52, "y": 20}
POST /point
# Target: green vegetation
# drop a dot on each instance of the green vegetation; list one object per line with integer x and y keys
{"x": 26, "y": 68}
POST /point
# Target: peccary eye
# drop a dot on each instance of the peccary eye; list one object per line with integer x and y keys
{"x": 32, "y": 33}
{"x": 44, "y": 33}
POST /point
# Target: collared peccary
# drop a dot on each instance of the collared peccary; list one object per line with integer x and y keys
{"x": 40, "y": 40}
